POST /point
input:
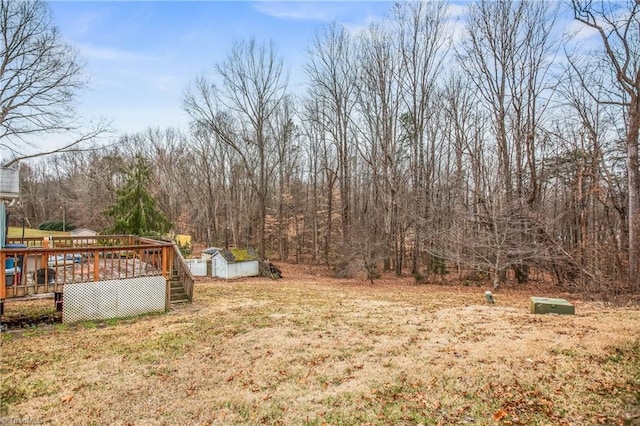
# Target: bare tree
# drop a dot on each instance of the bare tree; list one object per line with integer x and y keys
{"x": 253, "y": 85}
{"x": 312, "y": 137}
{"x": 507, "y": 55}
{"x": 382, "y": 148}
{"x": 618, "y": 25}
{"x": 284, "y": 132}
{"x": 586, "y": 173}
{"x": 79, "y": 185}
{"x": 211, "y": 163}
{"x": 422, "y": 44}
{"x": 331, "y": 74}
{"x": 39, "y": 78}
{"x": 466, "y": 126}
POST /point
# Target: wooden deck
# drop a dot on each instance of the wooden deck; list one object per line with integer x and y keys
{"x": 46, "y": 266}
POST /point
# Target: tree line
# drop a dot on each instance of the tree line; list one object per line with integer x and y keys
{"x": 499, "y": 146}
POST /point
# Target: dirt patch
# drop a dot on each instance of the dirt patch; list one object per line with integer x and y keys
{"x": 311, "y": 350}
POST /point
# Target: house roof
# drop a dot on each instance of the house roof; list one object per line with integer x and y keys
{"x": 238, "y": 255}
{"x": 81, "y": 230}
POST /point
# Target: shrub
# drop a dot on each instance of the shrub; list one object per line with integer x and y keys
{"x": 371, "y": 267}
{"x": 438, "y": 266}
{"x": 54, "y": 225}
{"x": 185, "y": 249}
{"x": 419, "y": 277}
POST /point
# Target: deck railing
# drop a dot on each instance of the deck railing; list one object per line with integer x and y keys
{"x": 183, "y": 272}
{"x": 67, "y": 241}
{"x": 45, "y": 265}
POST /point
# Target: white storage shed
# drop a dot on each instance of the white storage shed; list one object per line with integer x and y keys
{"x": 235, "y": 263}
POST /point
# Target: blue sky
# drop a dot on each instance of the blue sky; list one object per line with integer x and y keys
{"x": 141, "y": 55}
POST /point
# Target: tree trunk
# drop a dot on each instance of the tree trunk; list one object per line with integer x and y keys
{"x": 633, "y": 168}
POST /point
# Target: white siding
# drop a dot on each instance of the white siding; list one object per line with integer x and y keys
{"x": 83, "y": 232}
{"x": 9, "y": 182}
{"x": 219, "y": 266}
{"x": 222, "y": 269}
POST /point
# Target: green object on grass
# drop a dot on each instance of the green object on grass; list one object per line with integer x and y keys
{"x": 545, "y": 305}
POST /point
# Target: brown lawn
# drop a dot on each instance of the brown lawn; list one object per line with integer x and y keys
{"x": 311, "y": 350}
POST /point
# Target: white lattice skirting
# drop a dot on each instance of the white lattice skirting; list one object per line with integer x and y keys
{"x": 113, "y": 298}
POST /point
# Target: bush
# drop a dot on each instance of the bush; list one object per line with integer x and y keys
{"x": 419, "y": 277}
{"x": 343, "y": 269}
{"x": 438, "y": 266}
{"x": 54, "y": 225}
{"x": 371, "y": 267}
{"x": 185, "y": 249}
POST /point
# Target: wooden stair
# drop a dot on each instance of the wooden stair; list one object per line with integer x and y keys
{"x": 181, "y": 280}
{"x": 178, "y": 293}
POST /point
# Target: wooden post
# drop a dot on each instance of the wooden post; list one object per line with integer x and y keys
{"x": 45, "y": 256}
{"x": 58, "y": 296}
{"x": 96, "y": 266}
{"x": 167, "y": 298}
{"x": 3, "y": 278}
{"x": 166, "y": 267}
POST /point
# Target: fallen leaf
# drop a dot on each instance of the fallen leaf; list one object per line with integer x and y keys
{"x": 499, "y": 415}
{"x": 66, "y": 398}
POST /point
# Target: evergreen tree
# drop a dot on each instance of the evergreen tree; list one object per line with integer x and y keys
{"x": 135, "y": 211}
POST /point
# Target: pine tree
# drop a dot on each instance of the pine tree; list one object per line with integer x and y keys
{"x": 135, "y": 211}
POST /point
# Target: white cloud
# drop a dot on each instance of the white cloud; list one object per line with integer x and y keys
{"x": 579, "y": 31}
{"x": 166, "y": 82}
{"x": 456, "y": 10}
{"x": 296, "y": 11}
{"x": 357, "y": 29}
{"x": 83, "y": 24}
{"x": 107, "y": 53}
{"x": 323, "y": 11}
{"x": 457, "y": 28}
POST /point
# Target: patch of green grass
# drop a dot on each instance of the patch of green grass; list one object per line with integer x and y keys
{"x": 60, "y": 326}
{"x": 16, "y": 232}
{"x": 169, "y": 345}
{"x": 112, "y": 321}
{"x": 10, "y": 393}
{"x": 32, "y": 331}
{"x": 14, "y": 391}
{"x": 89, "y": 324}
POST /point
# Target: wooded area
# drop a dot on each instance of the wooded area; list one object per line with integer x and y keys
{"x": 497, "y": 145}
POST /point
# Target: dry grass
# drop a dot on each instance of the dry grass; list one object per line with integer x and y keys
{"x": 308, "y": 350}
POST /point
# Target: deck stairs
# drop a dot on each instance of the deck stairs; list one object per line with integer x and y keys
{"x": 178, "y": 293}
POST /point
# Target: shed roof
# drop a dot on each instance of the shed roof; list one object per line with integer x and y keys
{"x": 211, "y": 250}
{"x": 238, "y": 255}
